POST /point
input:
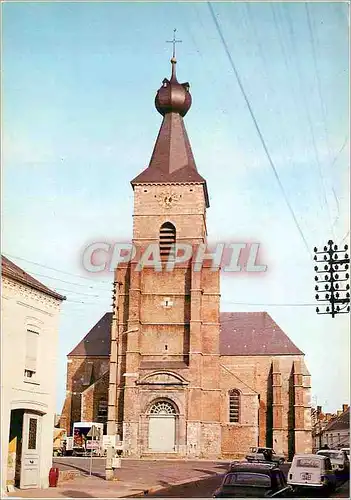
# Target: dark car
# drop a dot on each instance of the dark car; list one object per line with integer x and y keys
{"x": 253, "y": 480}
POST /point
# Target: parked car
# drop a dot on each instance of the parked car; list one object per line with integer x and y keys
{"x": 253, "y": 480}
{"x": 311, "y": 471}
{"x": 338, "y": 459}
{"x": 260, "y": 454}
{"x": 347, "y": 451}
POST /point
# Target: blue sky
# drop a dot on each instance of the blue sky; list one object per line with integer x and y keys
{"x": 79, "y": 122}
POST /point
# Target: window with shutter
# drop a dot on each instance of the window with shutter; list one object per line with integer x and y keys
{"x": 32, "y": 340}
{"x": 167, "y": 240}
{"x": 102, "y": 410}
{"x": 234, "y": 406}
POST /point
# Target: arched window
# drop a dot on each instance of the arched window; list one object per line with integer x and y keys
{"x": 234, "y": 406}
{"x": 162, "y": 408}
{"x": 167, "y": 239}
{"x": 102, "y": 410}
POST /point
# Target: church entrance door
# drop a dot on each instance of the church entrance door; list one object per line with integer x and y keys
{"x": 162, "y": 427}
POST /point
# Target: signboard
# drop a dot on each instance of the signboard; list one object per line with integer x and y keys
{"x": 92, "y": 445}
{"x": 94, "y": 432}
{"x": 69, "y": 443}
{"x": 109, "y": 440}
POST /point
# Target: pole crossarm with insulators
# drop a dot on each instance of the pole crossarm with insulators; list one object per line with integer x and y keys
{"x": 332, "y": 287}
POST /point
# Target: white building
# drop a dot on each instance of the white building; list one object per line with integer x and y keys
{"x": 336, "y": 434}
{"x": 30, "y": 315}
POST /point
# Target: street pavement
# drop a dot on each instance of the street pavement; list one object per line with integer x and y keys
{"x": 135, "y": 477}
{"x": 206, "y": 487}
{"x": 199, "y": 489}
{"x": 142, "y": 478}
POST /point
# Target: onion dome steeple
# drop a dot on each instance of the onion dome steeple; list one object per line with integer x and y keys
{"x": 173, "y": 97}
{"x": 172, "y": 160}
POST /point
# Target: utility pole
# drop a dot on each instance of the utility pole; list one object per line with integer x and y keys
{"x": 331, "y": 277}
{"x": 112, "y": 393}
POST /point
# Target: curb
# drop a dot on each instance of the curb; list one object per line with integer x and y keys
{"x": 155, "y": 489}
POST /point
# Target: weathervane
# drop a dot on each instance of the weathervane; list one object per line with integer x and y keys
{"x": 174, "y": 41}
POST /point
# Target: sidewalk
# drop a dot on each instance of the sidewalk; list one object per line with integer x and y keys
{"x": 134, "y": 479}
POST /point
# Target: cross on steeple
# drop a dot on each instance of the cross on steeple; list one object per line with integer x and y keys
{"x": 174, "y": 41}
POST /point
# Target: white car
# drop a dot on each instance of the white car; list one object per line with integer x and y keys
{"x": 338, "y": 459}
{"x": 311, "y": 471}
{"x": 260, "y": 454}
{"x": 347, "y": 451}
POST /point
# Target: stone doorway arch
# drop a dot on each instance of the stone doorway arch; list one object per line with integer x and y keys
{"x": 162, "y": 426}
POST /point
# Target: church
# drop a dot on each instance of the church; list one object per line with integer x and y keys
{"x": 166, "y": 371}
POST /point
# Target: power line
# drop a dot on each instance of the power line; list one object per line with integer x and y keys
{"x": 68, "y": 282}
{"x": 319, "y": 87}
{"x": 314, "y": 144}
{"x": 81, "y": 293}
{"x": 53, "y": 268}
{"x": 333, "y": 190}
{"x": 82, "y": 302}
{"x": 344, "y": 238}
{"x": 301, "y": 304}
{"x": 258, "y": 128}
{"x": 340, "y": 150}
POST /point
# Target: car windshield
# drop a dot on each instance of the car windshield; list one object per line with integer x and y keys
{"x": 247, "y": 479}
{"x": 308, "y": 462}
{"x": 330, "y": 454}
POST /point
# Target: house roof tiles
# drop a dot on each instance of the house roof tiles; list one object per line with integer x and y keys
{"x": 11, "y": 270}
{"x": 339, "y": 423}
{"x": 253, "y": 333}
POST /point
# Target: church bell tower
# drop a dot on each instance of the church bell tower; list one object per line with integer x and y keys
{"x": 164, "y": 366}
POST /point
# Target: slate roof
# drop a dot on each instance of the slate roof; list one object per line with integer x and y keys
{"x": 11, "y": 270}
{"x": 242, "y": 333}
{"x": 253, "y": 333}
{"x": 172, "y": 160}
{"x": 339, "y": 423}
{"x": 97, "y": 340}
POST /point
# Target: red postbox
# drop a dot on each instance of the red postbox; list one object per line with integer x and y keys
{"x": 53, "y": 477}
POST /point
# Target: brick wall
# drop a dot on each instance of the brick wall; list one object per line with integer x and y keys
{"x": 78, "y": 380}
{"x": 270, "y": 377}
{"x": 92, "y": 398}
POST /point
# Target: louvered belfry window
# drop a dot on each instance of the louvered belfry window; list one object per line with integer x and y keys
{"x": 167, "y": 240}
{"x": 234, "y": 406}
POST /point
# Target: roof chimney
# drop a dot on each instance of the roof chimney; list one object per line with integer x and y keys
{"x": 328, "y": 416}
{"x": 319, "y": 409}
{"x": 338, "y": 413}
{"x": 345, "y": 408}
